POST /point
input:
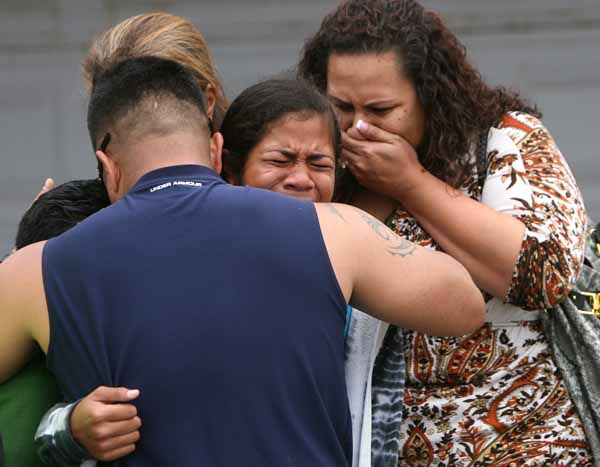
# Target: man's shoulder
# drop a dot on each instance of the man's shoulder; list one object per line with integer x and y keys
{"x": 88, "y": 236}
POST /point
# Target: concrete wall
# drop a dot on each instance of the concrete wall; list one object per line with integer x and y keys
{"x": 548, "y": 49}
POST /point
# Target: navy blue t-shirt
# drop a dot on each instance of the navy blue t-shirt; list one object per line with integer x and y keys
{"x": 220, "y": 304}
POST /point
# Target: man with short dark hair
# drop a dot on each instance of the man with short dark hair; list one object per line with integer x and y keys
{"x": 223, "y": 305}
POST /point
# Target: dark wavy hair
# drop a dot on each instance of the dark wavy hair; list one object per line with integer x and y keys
{"x": 459, "y": 106}
{"x": 253, "y": 113}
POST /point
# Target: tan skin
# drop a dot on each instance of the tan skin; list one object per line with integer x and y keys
{"x": 294, "y": 158}
{"x": 383, "y": 123}
{"x": 380, "y": 96}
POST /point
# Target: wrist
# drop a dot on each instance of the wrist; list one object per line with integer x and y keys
{"x": 428, "y": 195}
{"x": 411, "y": 184}
{"x": 72, "y": 436}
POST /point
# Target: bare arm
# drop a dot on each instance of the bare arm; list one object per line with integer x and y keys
{"x": 485, "y": 241}
{"x": 23, "y": 312}
{"x": 397, "y": 281}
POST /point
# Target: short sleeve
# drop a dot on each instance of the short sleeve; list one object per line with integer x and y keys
{"x": 528, "y": 178}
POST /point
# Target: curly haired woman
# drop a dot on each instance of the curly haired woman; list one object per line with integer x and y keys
{"x": 415, "y": 115}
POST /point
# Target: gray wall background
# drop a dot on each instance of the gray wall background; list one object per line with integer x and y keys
{"x": 548, "y": 49}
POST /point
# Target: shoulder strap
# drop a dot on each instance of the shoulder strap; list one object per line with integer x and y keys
{"x": 595, "y": 238}
{"x": 482, "y": 158}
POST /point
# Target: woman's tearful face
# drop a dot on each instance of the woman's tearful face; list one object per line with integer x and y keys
{"x": 295, "y": 158}
{"x": 372, "y": 88}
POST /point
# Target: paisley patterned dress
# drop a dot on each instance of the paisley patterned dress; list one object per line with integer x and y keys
{"x": 495, "y": 397}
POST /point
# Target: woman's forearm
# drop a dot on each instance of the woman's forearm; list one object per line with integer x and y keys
{"x": 485, "y": 241}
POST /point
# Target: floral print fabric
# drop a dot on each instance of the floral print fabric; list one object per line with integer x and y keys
{"x": 495, "y": 397}
{"x": 535, "y": 185}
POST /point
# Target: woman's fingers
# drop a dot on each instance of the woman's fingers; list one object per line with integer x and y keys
{"x": 354, "y": 141}
{"x": 352, "y": 144}
{"x": 380, "y": 161}
{"x": 121, "y": 434}
{"x": 370, "y": 132}
{"x": 350, "y": 158}
{"x": 48, "y": 185}
{"x": 117, "y": 447}
{"x": 117, "y": 453}
{"x": 355, "y": 163}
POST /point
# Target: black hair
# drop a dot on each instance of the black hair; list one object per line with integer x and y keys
{"x": 459, "y": 106}
{"x": 126, "y": 86}
{"x": 256, "y": 109}
{"x": 60, "y": 209}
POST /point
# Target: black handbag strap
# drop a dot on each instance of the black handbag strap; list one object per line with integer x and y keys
{"x": 595, "y": 236}
{"x": 482, "y": 158}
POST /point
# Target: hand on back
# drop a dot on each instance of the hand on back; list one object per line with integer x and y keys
{"x": 105, "y": 423}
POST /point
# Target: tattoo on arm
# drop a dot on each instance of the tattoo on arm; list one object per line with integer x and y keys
{"x": 402, "y": 248}
{"x": 397, "y": 246}
{"x": 378, "y": 227}
{"x": 336, "y": 212}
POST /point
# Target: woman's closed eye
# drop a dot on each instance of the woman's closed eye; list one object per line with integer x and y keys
{"x": 320, "y": 165}
{"x": 279, "y": 161}
{"x": 380, "y": 110}
{"x": 341, "y": 105}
